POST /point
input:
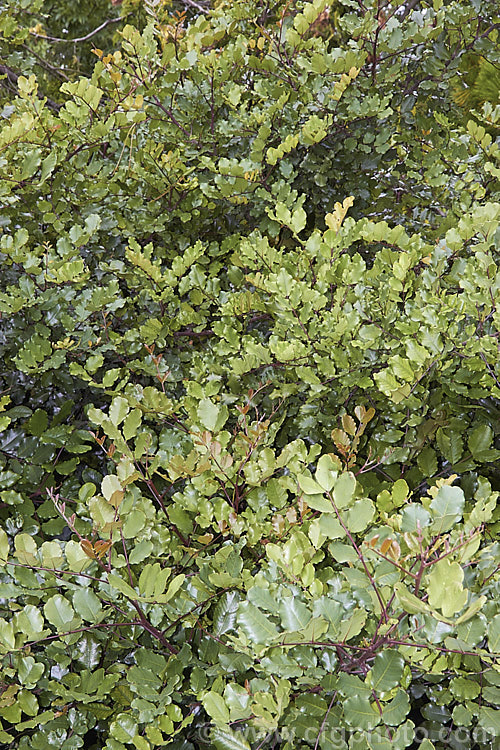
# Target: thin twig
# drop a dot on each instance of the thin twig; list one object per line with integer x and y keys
{"x": 490, "y": 369}
{"x": 195, "y": 5}
{"x": 79, "y": 38}
{"x": 324, "y": 721}
{"x": 51, "y": 68}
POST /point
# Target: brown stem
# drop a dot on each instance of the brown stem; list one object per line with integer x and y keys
{"x": 144, "y": 622}
{"x": 361, "y": 559}
{"x": 316, "y": 744}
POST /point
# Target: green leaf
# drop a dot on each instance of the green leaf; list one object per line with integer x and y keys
{"x": 414, "y": 517}
{"x": 141, "y": 743}
{"x": 464, "y": 689}
{"x": 294, "y": 614}
{"x": 489, "y": 719}
{"x": 118, "y": 583}
{"x": 228, "y": 740}
{"x": 352, "y": 626}
{"x": 450, "y": 443}
{"x": 181, "y": 276}
{"x": 59, "y": 612}
{"x": 480, "y": 440}
{"x": 29, "y": 621}
{"x": 52, "y": 556}
{"x": 112, "y": 490}
{"x": 298, "y": 220}
{"x": 153, "y": 580}
{"x": 494, "y": 635}
{"x": 256, "y": 626}
{"x": 27, "y": 700}
{"x": 399, "y": 492}
{"x": 173, "y": 587}
{"x": 344, "y": 489}
{"x": 38, "y": 422}
{"x": 118, "y": 410}
{"x": 447, "y": 508}
{"x": 472, "y": 610}
{"x": 87, "y": 605}
{"x": 102, "y": 512}
{"x": 132, "y": 423}
{"x": 134, "y": 521}
{"x": 48, "y": 165}
{"x": 25, "y": 549}
{"x": 444, "y": 585}
{"x": 76, "y": 557}
{"x": 214, "y": 705}
{"x": 7, "y": 638}
{"x": 351, "y": 685}
{"x": 124, "y": 728}
{"x": 360, "y": 515}
{"x": 462, "y": 716}
{"x": 29, "y": 671}
{"x": 4, "y": 547}
{"x": 360, "y": 714}
{"x": 427, "y": 462}
{"x": 330, "y": 527}
{"x": 88, "y": 651}
{"x": 237, "y": 700}
{"x": 225, "y": 611}
{"x": 387, "y": 670}
{"x": 473, "y": 630}
{"x": 326, "y": 472}
{"x": 212, "y": 416}
{"x": 140, "y": 552}
{"x": 92, "y": 223}
{"x": 310, "y": 487}
{"x": 343, "y": 552}
{"x": 263, "y": 599}
{"x": 320, "y": 502}
{"x": 409, "y": 602}
{"x": 395, "y": 712}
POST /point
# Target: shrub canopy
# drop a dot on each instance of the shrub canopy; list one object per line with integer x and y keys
{"x": 250, "y": 394}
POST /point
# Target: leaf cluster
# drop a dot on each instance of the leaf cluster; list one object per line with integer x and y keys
{"x": 250, "y": 395}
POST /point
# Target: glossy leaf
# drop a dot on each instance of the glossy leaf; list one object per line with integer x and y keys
{"x": 228, "y": 740}
{"x": 344, "y": 490}
{"x": 387, "y": 670}
{"x": 4, "y": 547}
{"x": 360, "y": 713}
{"x": 494, "y": 635}
{"x": 445, "y": 587}
{"x": 87, "y": 605}
{"x": 257, "y": 627}
{"x": 225, "y": 612}
{"x": 216, "y": 708}
{"x": 59, "y": 612}
{"x": 447, "y": 508}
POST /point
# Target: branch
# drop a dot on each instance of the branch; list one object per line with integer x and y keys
{"x": 195, "y": 5}
{"x": 79, "y": 38}
{"x": 9, "y": 73}
{"x": 383, "y": 607}
{"x": 490, "y": 369}
{"x": 325, "y": 720}
{"x": 12, "y": 78}
{"x": 47, "y": 65}
{"x": 408, "y": 8}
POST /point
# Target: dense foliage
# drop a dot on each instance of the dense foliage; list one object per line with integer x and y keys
{"x": 251, "y": 382}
